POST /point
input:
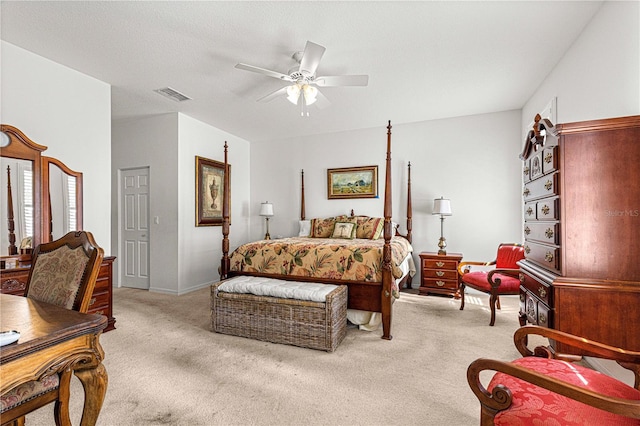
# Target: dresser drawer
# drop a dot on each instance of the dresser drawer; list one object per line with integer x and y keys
{"x": 440, "y": 284}
{"x": 541, "y": 290}
{"x": 542, "y": 187}
{"x": 99, "y": 300}
{"x": 441, "y": 274}
{"x": 544, "y": 255}
{"x": 548, "y": 209}
{"x": 439, "y": 264}
{"x": 546, "y": 232}
{"x": 549, "y": 160}
{"x": 14, "y": 281}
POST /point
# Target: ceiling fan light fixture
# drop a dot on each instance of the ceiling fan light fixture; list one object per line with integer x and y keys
{"x": 310, "y": 93}
{"x": 293, "y": 93}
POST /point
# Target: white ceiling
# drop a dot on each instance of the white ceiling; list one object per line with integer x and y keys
{"x": 425, "y": 60}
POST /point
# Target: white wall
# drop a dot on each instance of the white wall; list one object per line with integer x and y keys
{"x": 599, "y": 76}
{"x": 151, "y": 142}
{"x": 70, "y": 113}
{"x": 183, "y": 257}
{"x": 200, "y": 248}
{"x": 471, "y": 160}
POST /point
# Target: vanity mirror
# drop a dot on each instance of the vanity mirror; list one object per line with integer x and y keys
{"x": 21, "y": 191}
{"x": 61, "y": 199}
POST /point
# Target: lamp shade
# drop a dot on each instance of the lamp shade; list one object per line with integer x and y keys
{"x": 266, "y": 209}
{"x": 442, "y": 206}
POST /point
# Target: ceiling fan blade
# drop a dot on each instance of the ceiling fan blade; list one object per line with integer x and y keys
{"x": 321, "y": 100}
{"x": 311, "y": 57}
{"x": 264, "y": 71}
{"x": 342, "y": 80}
{"x": 271, "y": 96}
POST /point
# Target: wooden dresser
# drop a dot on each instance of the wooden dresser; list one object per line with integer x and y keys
{"x": 582, "y": 229}
{"x": 14, "y": 281}
{"x": 439, "y": 273}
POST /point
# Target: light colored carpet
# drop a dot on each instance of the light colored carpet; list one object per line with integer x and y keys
{"x": 166, "y": 367}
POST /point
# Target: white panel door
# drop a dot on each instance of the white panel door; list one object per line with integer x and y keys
{"x": 134, "y": 227}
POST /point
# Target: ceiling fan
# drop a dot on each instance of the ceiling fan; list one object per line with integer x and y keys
{"x": 303, "y": 81}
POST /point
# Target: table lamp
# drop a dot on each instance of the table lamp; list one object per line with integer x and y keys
{"x": 266, "y": 210}
{"x": 442, "y": 207}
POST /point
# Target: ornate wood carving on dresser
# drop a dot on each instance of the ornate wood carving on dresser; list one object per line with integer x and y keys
{"x": 14, "y": 281}
{"x": 581, "y": 220}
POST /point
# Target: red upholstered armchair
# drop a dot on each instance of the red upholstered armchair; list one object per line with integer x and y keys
{"x": 550, "y": 388}
{"x": 497, "y": 277}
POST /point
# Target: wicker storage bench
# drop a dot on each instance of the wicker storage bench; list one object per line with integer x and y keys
{"x": 310, "y": 324}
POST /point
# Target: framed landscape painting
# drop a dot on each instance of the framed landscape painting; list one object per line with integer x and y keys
{"x": 352, "y": 182}
{"x": 210, "y": 192}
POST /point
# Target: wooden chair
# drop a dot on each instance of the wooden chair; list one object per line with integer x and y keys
{"x": 546, "y": 387}
{"x": 498, "y": 277}
{"x": 63, "y": 273}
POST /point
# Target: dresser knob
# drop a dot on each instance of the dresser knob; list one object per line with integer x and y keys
{"x": 440, "y": 273}
{"x": 542, "y": 292}
{"x": 545, "y": 210}
{"x": 529, "y": 211}
{"x": 439, "y": 264}
{"x": 526, "y": 171}
{"x": 548, "y": 257}
{"x": 527, "y": 249}
{"x": 92, "y": 301}
{"x": 548, "y": 185}
{"x": 549, "y": 233}
{"x": 542, "y": 319}
{"x": 526, "y": 192}
{"x": 440, "y": 283}
{"x": 548, "y": 158}
{"x": 527, "y": 231}
{"x": 521, "y": 276}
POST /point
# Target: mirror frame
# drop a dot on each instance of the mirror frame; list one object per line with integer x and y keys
{"x": 47, "y": 227}
{"x": 22, "y": 148}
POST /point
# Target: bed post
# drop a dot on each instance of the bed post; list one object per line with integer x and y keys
{"x": 225, "y": 263}
{"x": 302, "y": 212}
{"x": 387, "y": 276}
{"x": 409, "y": 207}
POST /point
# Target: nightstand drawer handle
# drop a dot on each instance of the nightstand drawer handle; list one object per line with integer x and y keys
{"x": 527, "y": 230}
{"x": 548, "y": 185}
{"x": 545, "y": 209}
{"x": 525, "y": 171}
{"x": 439, "y": 264}
{"x": 529, "y": 211}
{"x": 548, "y": 257}
{"x": 92, "y": 301}
{"x": 440, "y": 273}
{"x": 527, "y": 249}
{"x": 548, "y": 157}
{"x": 526, "y": 192}
{"x": 549, "y": 233}
{"x": 440, "y": 283}
{"x": 542, "y": 292}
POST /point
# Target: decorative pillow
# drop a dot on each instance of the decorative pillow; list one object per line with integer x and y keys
{"x": 305, "y": 228}
{"x": 346, "y": 230}
{"x": 322, "y": 228}
{"x": 369, "y": 227}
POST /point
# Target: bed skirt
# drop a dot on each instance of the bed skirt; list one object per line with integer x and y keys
{"x": 315, "y": 325}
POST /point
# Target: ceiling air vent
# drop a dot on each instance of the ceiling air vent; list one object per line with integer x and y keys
{"x": 172, "y": 94}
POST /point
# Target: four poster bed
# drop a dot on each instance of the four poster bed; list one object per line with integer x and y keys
{"x": 373, "y": 259}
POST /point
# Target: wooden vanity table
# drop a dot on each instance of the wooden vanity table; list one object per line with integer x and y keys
{"x": 42, "y": 201}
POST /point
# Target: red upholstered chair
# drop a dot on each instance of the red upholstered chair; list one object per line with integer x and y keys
{"x": 499, "y": 277}
{"x": 550, "y": 388}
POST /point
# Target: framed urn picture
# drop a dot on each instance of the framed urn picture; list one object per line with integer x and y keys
{"x": 210, "y": 191}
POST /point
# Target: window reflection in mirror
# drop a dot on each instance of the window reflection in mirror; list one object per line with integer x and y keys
{"x": 63, "y": 196}
{"x": 19, "y": 174}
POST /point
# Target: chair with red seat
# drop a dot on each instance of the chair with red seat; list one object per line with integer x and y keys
{"x": 546, "y": 387}
{"x": 499, "y": 277}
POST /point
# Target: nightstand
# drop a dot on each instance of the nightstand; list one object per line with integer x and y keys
{"x": 439, "y": 273}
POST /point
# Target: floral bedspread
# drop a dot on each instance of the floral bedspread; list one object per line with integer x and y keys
{"x": 356, "y": 259}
